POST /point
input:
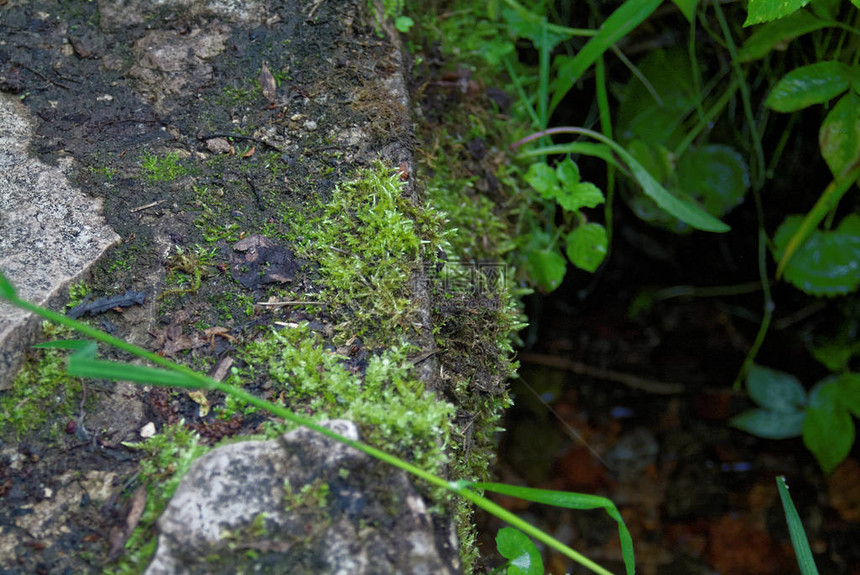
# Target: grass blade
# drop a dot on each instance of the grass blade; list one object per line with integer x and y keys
{"x": 629, "y": 15}
{"x": 795, "y": 528}
{"x": 581, "y": 501}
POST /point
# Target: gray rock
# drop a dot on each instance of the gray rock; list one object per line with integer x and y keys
{"x": 50, "y": 232}
{"x": 299, "y": 504}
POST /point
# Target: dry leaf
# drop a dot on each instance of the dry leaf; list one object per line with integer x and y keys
{"x": 267, "y": 83}
{"x": 200, "y": 399}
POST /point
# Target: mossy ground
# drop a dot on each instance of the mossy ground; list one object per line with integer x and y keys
{"x": 352, "y": 351}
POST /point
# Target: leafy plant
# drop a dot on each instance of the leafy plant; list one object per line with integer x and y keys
{"x": 822, "y": 416}
{"x": 83, "y": 363}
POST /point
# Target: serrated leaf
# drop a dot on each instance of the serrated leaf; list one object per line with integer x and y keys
{"x": 770, "y": 424}
{"x": 828, "y": 263}
{"x": 759, "y": 11}
{"x": 828, "y": 431}
{"x": 775, "y": 390}
{"x": 716, "y": 176}
{"x": 542, "y": 178}
{"x": 520, "y": 551}
{"x": 849, "y": 392}
{"x": 586, "y": 246}
{"x": 777, "y": 35}
{"x": 582, "y": 195}
{"x": 839, "y": 135}
{"x": 808, "y": 85}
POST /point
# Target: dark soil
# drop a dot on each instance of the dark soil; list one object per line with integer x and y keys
{"x": 118, "y": 85}
{"x": 637, "y": 409}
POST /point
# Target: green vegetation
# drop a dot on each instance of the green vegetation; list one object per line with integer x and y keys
{"x": 162, "y": 168}
{"x": 167, "y": 458}
{"x": 369, "y": 240}
{"x": 682, "y": 138}
{"x": 822, "y": 417}
{"x": 388, "y": 404}
{"x": 84, "y": 363}
{"x": 41, "y": 391}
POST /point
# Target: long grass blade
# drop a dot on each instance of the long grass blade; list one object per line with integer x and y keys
{"x": 795, "y": 528}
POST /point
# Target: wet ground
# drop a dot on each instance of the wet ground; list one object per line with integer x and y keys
{"x": 196, "y": 124}
{"x": 634, "y": 404}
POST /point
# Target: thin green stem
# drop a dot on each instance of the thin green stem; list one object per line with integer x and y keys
{"x": 768, "y": 310}
{"x": 200, "y": 381}
{"x": 606, "y": 128}
{"x": 706, "y": 119}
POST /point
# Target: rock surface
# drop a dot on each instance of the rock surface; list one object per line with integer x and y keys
{"x": 341, "y": 512}
{"x": 50, "y": 232}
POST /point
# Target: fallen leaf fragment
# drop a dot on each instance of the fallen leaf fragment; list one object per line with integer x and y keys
{"x": 267, "y": 83}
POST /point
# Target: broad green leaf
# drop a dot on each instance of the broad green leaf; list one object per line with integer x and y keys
{"x": 654, "y": 157}
{"x": 808, "y": 85}
{"x": 849, "y": 392}
{"x": 687, "y": 8}
{"x": 839, "y": 136}
{"x": 7, "y": 290}
{"x": 586, "y": 246}
{"x": 795, "y": 528}
{"x": 571, "y": 501}
{"x": 770, "y": 424}
{"x": 716, "y": 176}
{"x": 655, "y": 113}
{"x": 543, "y": 262}
{"x": 494, "y": 51}
{"x": 567, "y": 173}
{"x": 525, "y": 24}
{"x": 685, "y": 211}
{"x": 542, "y": 178}
{"x": 625, "y": 18}
{"x": 547, "y": 267}
{"x": 583, "y": 195}
{"x": 777, "y": 35}
{"x": 827, "y": 202}
{"x": 404, "y": 24}
{"x": 517, "y": 548}
{"x": 759, "y": 11}
{"x": 775, "y": 390}
{"x": 828, "y": 431}
{"x": 835, "y": 355}
{"x": 828, "y": 263}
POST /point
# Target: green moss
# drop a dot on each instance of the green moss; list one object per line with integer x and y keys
{"x": 167, "y": 458}
{"x": 162, "y": 169}
{"x": 42, "y": 391}
{"x": 368, "y": 241}
{"x": 387, "y": 402}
